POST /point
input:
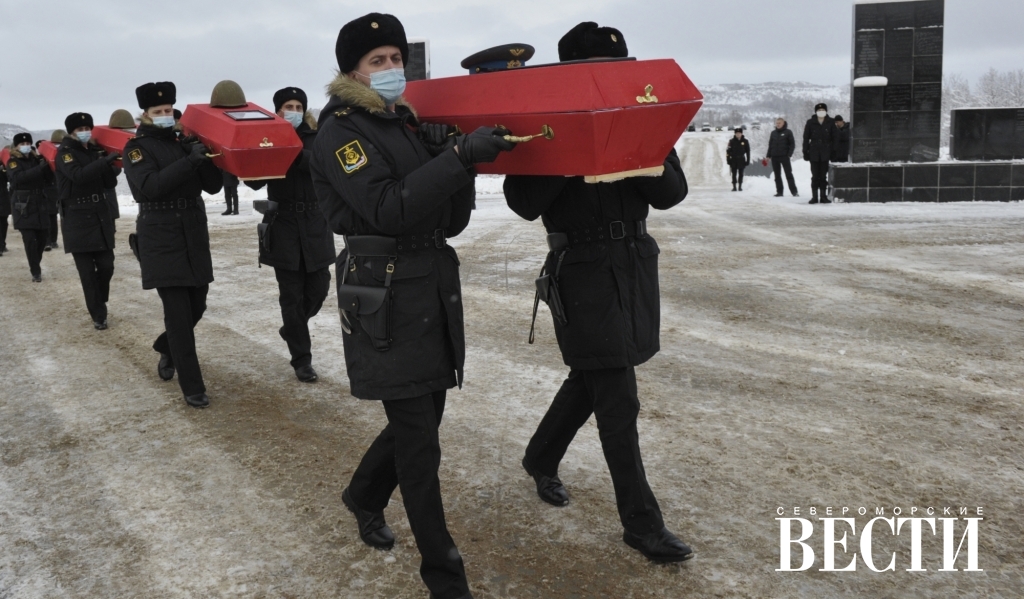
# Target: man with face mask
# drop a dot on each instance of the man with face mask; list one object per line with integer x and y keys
{"x": 166, "y": 176}
{"x": 819, "y": 143}
{"x": 296, "y": 239}
{"x": 84, "y": 174}
{"x": 738, "y": 156}
{"x": 30, "y": 175}
{"x": 398, "y": 190}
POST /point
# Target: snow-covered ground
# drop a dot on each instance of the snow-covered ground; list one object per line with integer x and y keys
{"x": 828, "y": 355}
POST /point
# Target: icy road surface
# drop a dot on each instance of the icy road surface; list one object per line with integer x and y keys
{"x": 843, "y": 355}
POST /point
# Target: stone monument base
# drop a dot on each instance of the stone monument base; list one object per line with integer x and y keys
{"x": 928, "y": 182}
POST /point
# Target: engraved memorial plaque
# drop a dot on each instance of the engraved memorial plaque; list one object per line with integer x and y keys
{"x": 868, "y": 99}
{"x": 928, "y": 69}
{"x": 868, "y": 53}
{"x": 899, "y": 15}
{"x": 868, "y": 125}
{"x": 926, "y": 96}
{"x": 928, "y": 42}
{"x": 896, "y": 125}
{"x": 898, "y": 97}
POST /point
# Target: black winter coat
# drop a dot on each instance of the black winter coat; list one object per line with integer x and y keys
{"x": 5, "y": 197}
{"x": 85, "y": 181}
{"x": 294, "y": 234}
{"x": 174, "y": 245}
{"x": 373, "y": 176}
{"x": 609, "y": 288}
{"x": 29, "y": 177}
{"x": 738, "y": 152}
{"x": 781, "y": 144}
{"x": 842, "y": 149}
{"x": 819, "y": 139}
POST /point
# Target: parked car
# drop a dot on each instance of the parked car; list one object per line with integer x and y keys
{"x": 718, "y": 128}
{"x": 706, "y": 127}
{"x": 691, "y": 128}
{"x": 756, "y": 125}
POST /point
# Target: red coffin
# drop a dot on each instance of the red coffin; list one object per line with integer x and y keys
{"x": 5, "y": 155}
{"x": 610, "y": 119}
{"x": 111, "y": 139}
{"x": 247, "y": 141}
{"x": 48, "y": 150}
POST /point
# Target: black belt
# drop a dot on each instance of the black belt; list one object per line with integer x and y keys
{"x": 297, "y": 206}
{"x": 422, "y": 241}
{"x": 179, "y": 204}
{"x": 93, "y": 199}
{"x": 613, "y": 231}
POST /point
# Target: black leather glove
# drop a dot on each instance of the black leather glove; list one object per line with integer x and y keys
{"x": 197, "y": 153}
{"x": 483, "y": 145}
{"x": 437, "y": 137}
{"x": 111, "y": 158}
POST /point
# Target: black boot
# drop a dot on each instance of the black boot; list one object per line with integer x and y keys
{"x": 165, "y": 367}
{"x": 549, "y": 488}
{"x": 228, "y": 211}
{"x": 199, "y": 400}
{"x": 306, "y": 374}
{"x": 235, "y": 211}
{"x": 734, "y": 188}
{"x": 661, "y": 546}
{"x": 373, "y": 530}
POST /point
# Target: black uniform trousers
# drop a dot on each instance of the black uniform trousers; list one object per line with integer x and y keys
{"x": 407, "y": 454}
{"x": 737, "y": 171}
{"x": 53, "y": 229}
{"x": 35, "y": 244}
{"x": 610, "y": 394}
{"x": 3, "y": 233}
{"x": 183, "y": 308}
{"x": 231, "y": 195}
{"x": 95, "y": 269}
{"x": 302, "y": 295}
{"x": 778, "y": 165}
{"x": 819, "y": 178}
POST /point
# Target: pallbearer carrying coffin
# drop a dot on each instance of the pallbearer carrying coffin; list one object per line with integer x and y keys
{"x": 397, "y": 192}
{"x": 295, "y": 238}
{"x": 29, "y": 175}
{"x": 86, "y": 177}
{"x": 602, "y": 287}
{"x": 167, "y": 176}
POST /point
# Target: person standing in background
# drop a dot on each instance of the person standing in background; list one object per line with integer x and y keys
{"x": 738, "y": 157}
{"x": 781, "y": 146}
{"x": 819, "y": 143}
{"x": 842, "y": 151}
{"x": 230, "y": 193}
{"x": 5, "y": 208}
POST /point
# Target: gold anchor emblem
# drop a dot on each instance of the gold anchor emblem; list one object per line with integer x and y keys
{"x": 647, "y": 98}
{"x": 266, "y": 143}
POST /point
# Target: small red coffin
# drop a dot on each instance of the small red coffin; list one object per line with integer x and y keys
{"x": 5, "y": 155}
{"x": 112, "y": 139}
{"x": 48, "y": 150}
{"x": 610, "y": 119}
{"x": 252, "y": 142}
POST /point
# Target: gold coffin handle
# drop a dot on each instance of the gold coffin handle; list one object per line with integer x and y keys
{"x": 209, "y": 155}
{"x": 647, "y": 98}
{"x": 545, "y": 131}
{"x": 266, "y": 143}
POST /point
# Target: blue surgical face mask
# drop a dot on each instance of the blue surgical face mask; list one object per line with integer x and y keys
{"x": 295, "y": 118}
{"x": 26, "y": 149}
{"x": 164, "y": 122}
{"x": 84, "y": 136}
{"x": 390, "y": 84}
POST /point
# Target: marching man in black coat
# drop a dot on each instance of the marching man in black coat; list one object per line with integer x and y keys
{"x": 30, "y": 175}
{"x": 738, "y": 156}
{"x": 85, "y": 173}
{"x": 167, "y": 176}
{"x": 397, "y": 191}
{"x": 604, "y": 267}
{"x": 297, "y": 241}
{"x": 819, "y": 143}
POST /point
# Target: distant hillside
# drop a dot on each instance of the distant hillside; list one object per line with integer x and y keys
{"x": 740, "y": 103}
{"x": 8, "y": 131}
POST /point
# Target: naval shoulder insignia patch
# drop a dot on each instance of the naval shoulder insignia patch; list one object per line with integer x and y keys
{"x": 352, "y": 157}
{"x": 135, "y": 155}
{"x": 12, "y": 164}
{"x": 67, "y": 158}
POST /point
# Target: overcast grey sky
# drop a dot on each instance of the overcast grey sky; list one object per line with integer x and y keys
{"x": 90, "y": 55}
